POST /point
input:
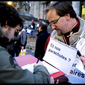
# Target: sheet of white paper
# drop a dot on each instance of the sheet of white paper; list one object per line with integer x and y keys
{"x": 81, "y": 46}
{"x": 80, "y": 66}
{"x": 29, "y": 67}
{"x": 60, "y": 55}
{"x": 49, "y": 67}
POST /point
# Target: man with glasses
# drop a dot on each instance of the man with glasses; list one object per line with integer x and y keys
{"x": 67, "y": 28}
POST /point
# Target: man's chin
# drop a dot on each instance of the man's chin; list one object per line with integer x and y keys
{"x": 59, "y": 32}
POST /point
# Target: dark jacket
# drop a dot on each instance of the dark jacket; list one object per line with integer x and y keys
{"x": 11, "y": 73}
{"x": 40, "y": 43}
{"x": 33, "y": 24}
{"x": 17, "y": 39}
{"x": 8, "y": 45}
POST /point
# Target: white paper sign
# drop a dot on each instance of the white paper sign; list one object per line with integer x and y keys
{"x": 50, "y": 68}
{"x": 76, "y": 76}
{"x": 81, "y": 46}
{"x": 77, "y": 73}
{"x": 60, "y": 55}
{"x": 80, "y": 66}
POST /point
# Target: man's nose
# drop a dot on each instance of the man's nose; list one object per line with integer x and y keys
{"x": 53, "y": 26}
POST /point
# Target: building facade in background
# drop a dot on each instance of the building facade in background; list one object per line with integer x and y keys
{"x": 34, "y": 9}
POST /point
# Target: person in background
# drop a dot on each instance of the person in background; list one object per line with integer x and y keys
{"x": 17, "y": 43}
{"x": 23, "y": 39}
{"x": 39, "y": 19}
{"x": 38, "y": 24}
{"x": 10, "y": 71}
{"x": 41, "y": 40}
{"x": 67, "y": 28}
{"x": 33, "y": 29}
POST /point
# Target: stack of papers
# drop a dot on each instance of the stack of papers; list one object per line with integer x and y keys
{"x": 50, "y": 69}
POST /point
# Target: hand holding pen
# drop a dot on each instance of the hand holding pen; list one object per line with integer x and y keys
{"x": 38, "y": 63}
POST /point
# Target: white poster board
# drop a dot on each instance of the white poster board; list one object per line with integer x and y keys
{"x": 60, "y": 55}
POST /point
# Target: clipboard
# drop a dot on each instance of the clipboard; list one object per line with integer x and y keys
{"x": 29, "y": 59}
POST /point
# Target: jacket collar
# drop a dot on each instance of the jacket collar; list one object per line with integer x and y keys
{"x": 75, "y": 29}
{"x": 4, "y": 42}
{"x": 41, "y": 32}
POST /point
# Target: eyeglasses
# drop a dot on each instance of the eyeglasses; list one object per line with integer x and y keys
{"x": 54, "y": 22}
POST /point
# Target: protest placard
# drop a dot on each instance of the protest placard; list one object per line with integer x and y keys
{"x": 81, "y": 47}
{"x": 60, "y": 55}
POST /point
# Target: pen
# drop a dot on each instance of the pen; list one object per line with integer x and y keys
{"x": 78, "y": 52}
{"x": 38, "y": 59}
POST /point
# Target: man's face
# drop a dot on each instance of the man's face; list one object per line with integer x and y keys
{"x": 10, "y": 32}
{"x": 58, "y": 23}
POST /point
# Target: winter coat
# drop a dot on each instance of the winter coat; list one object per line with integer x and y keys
{"x": 17, "y": 39}
{"x": 11, "y": 73}
{"x": 40, "y": 43}
{"x": 33, "y": 24}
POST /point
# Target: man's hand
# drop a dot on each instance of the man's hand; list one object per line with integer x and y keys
{"x": 39, "y": 63}
{"x": 51, "y": 80}
{"x": 82, "y": 58}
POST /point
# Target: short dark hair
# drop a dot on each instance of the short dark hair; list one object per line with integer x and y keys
{"x": 10, "y": 15}
{"x": 43, "y": 25}
{"x": 62, "y": 8}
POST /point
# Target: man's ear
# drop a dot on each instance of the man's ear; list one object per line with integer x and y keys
{"x": 6, "y": 25}
{"x": 67, "y": 17}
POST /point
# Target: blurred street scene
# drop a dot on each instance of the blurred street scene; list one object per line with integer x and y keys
{"x": 33, "y": 10}
{"x": 31, "y": 42}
